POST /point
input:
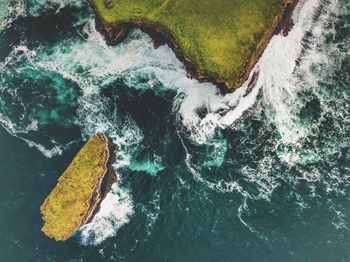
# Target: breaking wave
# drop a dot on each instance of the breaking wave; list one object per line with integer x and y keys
{"x": 289, "y": 80}
{"x": 251, "y": 138}
{"x": 115, "y": 211}
{"x": 284, "y": 77}
{"x": 10, "y": 11}
{"x": 277, "y": 80}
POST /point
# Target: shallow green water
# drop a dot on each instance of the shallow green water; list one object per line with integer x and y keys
{"x": 262, "y": 174}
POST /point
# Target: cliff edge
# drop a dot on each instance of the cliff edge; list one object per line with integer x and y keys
{"x": 218, "y": 41}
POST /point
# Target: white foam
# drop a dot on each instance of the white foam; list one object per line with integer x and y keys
{"x": 94, "y": 116}
{"x": 282, "y": 84}
{"x": 22, "y": 53}
{"x": 93, "y": 65}
{"x": 7, "y": 124}
{"x": 10, "y": 11}
{"x": 151, "y": 211}
{"x": 49, "y": 153}
{"x": 279, "y": 84}
{"x": 38, "y": 7}
{"x": 276, "y": 81}
{"x": 220, "y": 186}
{"x": 16, "y": 131}
{"x": 137, "y": 56}
{"x": 115, "y": 211}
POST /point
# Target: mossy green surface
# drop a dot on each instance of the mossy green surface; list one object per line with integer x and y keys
{"x": 68, "y": 205}
{"x": 220, "y": 37}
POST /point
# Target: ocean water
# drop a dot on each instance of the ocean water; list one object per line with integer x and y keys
{"x": 261, "y": 174}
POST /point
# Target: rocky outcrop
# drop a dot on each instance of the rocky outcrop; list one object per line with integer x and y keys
{"x": 108, "y": 3}
{"x": 80, "y": 190}
{"x": 115, "y": 32}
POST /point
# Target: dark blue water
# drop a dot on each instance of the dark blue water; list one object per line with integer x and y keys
{"x": 256, "y": 175}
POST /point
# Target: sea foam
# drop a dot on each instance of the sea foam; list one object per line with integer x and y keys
{"x": 201, "y": 110}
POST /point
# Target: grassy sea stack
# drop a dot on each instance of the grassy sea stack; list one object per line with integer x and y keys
{"x": 80, "y": 190}
{"x": 218, "y": 41}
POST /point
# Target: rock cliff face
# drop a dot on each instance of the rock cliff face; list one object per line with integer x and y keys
{"x": 218, "y": 41}
{"x": 80, "y": 190}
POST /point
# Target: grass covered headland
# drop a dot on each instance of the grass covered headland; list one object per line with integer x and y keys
{"x": 218, "y": 40}
{"x": 80, "y": 190}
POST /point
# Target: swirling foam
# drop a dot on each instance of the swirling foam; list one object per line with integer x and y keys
{"x": 38, "y": 7}
{"x": 201, "y": 110}
{"x": 277, "y": 81}
{"x": 115, "y": 211}
{"x": 10, "y": 11}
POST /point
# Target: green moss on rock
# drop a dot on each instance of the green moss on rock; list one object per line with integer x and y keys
{"x": 77, "y": 196}
{"x": 218, "y": 41}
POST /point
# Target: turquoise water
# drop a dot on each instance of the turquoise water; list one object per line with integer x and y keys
{"x": 261, "y": 174}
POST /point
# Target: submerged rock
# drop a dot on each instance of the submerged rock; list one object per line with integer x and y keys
{"x": 80, "y": 190}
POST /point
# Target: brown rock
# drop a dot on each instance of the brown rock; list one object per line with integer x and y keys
{"x": 108, "y": 3}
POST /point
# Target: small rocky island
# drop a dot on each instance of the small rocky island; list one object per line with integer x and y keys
{"x": 218, "y": 41}
{"x": 79, "y": 192}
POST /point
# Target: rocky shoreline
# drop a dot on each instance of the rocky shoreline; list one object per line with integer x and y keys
{"x": 114, "y": 33}
{"x": 104, "y": 185}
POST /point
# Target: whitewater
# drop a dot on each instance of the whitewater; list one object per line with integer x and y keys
{"x": 283, "y": 140}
